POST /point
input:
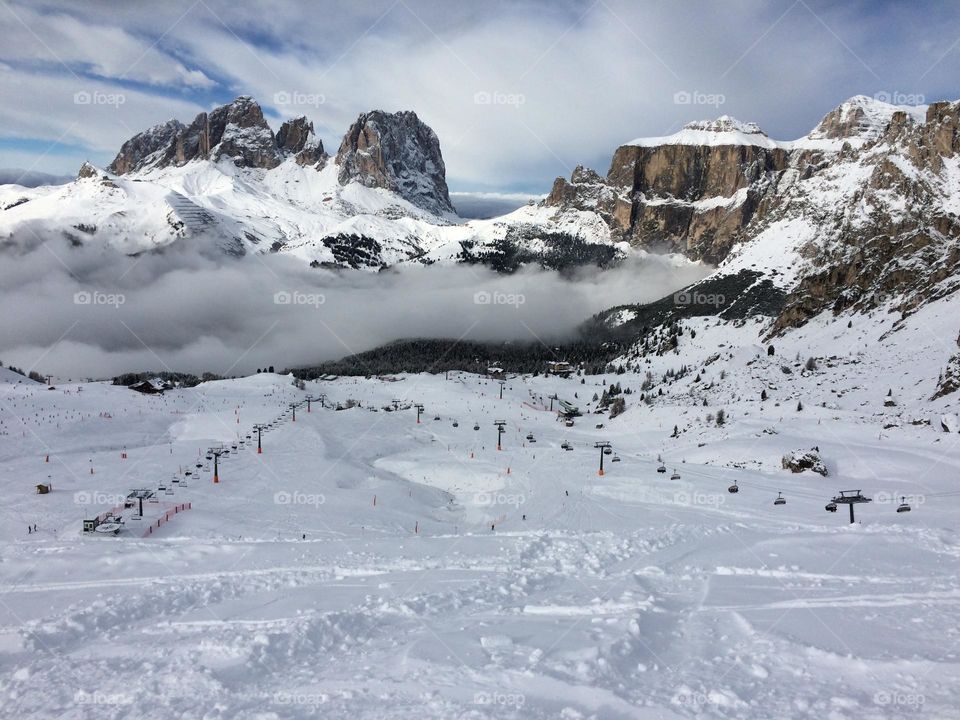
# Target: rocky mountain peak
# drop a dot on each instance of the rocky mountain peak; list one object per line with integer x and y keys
{"x": 397, "y": 152}
{"x": 296, "y": 137}
{"x": 860, "y": 117}
{"x": 236, "y": 130}
{"x": 725, "y": 124}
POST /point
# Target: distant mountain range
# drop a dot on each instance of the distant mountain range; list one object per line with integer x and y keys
{"x": 859, "y": 215}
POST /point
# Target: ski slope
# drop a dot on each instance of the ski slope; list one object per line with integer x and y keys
{"x": 366, "y": 565}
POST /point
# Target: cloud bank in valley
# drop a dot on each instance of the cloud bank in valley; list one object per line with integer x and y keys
{"x": 88, "y": 313}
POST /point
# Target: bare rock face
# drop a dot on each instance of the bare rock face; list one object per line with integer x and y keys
{"x": 800, "y": 460}
{"x": 693, "y": 193}
{"x": 153, "y": 147}
{"x": 237, "y": 131}
{"x": 296, "y": 138}
{"x": 397, "y": 152}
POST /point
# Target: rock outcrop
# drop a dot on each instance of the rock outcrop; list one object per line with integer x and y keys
{"x": 397, "y": 152}
{"x": 296, "y": 138}
{"x": 237, "y": 131}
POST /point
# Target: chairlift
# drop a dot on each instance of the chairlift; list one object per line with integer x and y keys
{"x": 206, "y": 468}
{"x": 436, "y": 417}
{"x": 456, "y": 424}
{"x": 183, "y": 483}
{"x": 616, "y": 458}
{"x": 781, "y": 500}
{"x": 170, "y": 490}
{"x": 161, "y": 488}
{"x": 188, "y": 472}
{"x": 662, "y": 469}
{"x": 153, "y": 498}
{"x": 234, "y": 446}
{"x": 248, "y": 437}
{"x": 569, "y": 423}
{"x": 903, "y": 506}
{"x": 733, "y": 488}
{"x": 476, "y": 426}
{"x": 199, "y": 465}
{"x": 675, "y": 476}
{"x": 608, "y": 451}
{"x": 831, "y": 507}
{"x": 209, "y": 456}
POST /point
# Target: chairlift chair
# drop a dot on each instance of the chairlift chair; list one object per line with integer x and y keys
{"x": 781, "y": 500}
{"x": 733, "y": 488}
{"x": 831, "y": 507}
{"x": 456, "y": 424}
{"x": 616, "y": 458}
{"x": 608, "y": 451}
{"x": 903, "y": 506}
{"x": 170, "y": 490}
{"x": 675, "y": 476}
{"x": 662, "y": 469}
{"x": 476, "y": 426}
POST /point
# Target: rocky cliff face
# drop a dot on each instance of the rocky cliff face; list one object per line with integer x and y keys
{"x": 397, "y": 152}
{"x": 296, "y": 138}
{"x": 865, "y": 202}
{"x": 236, "y": 130}
{"x": 693, "y": 192}
{"x": 394, "y": 151}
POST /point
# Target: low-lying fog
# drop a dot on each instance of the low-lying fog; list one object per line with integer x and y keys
{"x": 91, "y": 313}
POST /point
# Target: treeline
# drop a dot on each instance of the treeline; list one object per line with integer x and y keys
{"x": 183, "y": 379}
{"x": 33, "y": 374}
{"x": 436, "y": 356}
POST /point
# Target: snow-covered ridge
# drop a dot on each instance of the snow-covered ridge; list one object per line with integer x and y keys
{"x": 857, "y": 120}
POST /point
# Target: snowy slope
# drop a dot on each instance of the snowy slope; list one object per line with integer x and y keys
{"x": 368, "y": 566}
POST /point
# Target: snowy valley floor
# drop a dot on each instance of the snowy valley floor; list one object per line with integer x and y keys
{"x": 629, "y": 595}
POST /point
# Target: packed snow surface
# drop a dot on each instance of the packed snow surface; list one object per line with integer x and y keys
{"x": 366, "y": 565}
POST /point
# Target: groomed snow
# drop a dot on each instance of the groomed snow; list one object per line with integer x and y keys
{"x": 421, "y": 591}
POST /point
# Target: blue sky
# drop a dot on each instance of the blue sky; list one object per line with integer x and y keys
{"x": 518, "y": 92}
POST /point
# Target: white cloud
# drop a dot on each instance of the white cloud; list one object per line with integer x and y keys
{"x": 568, "y": 81}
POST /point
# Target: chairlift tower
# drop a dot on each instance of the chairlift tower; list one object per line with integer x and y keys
{"x": 851, "y": 498}
{"x": 502, "y": 383}
{"x": 602, "y": 445}
{"x": 552, "y": 398}
{"x": 419, "y": 408}
{"x": 310, "y": 399}
{"x": 323, "y": 400}
{"x": 260, "y": 427}
{"x": 216, "y": 452}
{"x": 293, "y": 406}
{"x": 500, "y": 431}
